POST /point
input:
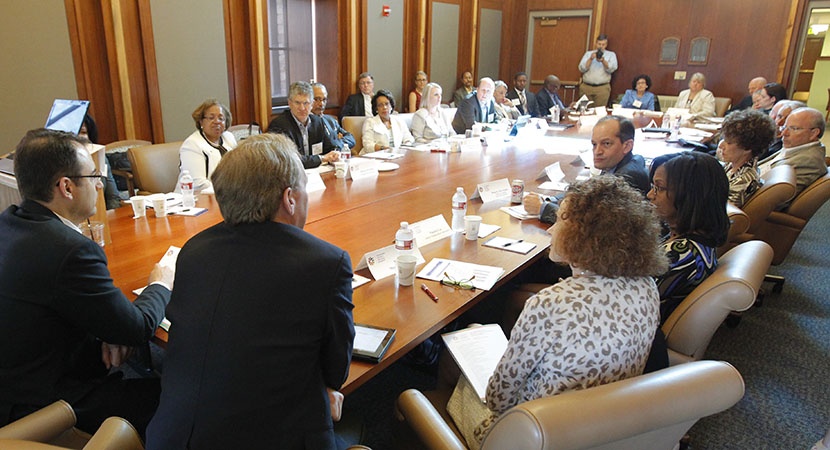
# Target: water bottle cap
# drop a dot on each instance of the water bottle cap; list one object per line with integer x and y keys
{"x": 404, "y": 224}
{"x": 459, "y": 189}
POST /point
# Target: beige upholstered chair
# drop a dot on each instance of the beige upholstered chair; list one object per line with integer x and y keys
{"x": 738, "y": 224}
{"x": 651, "y": 411}
{"x": 407, "y": 119}
{"x": 122, "y": 147}
{"x": 732, "y": 287}
{"x": 722, "y": 105}
{"x": 354, "y": 125}
{"x": 155, "y": 167}
{"x": 53, "y": 427}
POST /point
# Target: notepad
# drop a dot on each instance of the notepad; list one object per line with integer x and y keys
{"x": 511, "y": 245}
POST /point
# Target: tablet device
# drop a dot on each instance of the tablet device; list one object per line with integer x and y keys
{"x": 371, "y": 342}
{"x": 67, "y": 115}
{"x": 520, "y": 122}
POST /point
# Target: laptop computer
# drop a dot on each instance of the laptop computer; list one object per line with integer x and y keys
{"x": 520, "y": 122}
{"x": 67, "y": 115}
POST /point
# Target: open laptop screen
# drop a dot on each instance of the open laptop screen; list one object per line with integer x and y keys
{"x": 67, "y": 115}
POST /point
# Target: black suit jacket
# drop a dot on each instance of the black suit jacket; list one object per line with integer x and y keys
{"x": 261, "y": 323}
{"x": 285, "y": 124}
{"x": 57, "y": 301}
{"x": 334, "y": 131}
{"x": 469, "y": 113}
{"x": 544, "y": 102}
{"x": 532, "y": 108}
{"x": 354, "y": 106}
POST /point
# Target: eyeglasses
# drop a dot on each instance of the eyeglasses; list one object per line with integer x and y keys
{"x": 658, "y": 189}
{"x": 793, "y": 129}
{"x": 100, "y": 177}
{"x": 305, "y": 104}
{"x": 321, "y": 99}
{"x": 214, "y": 118}
{"x": 384, "y": 105}
{"x": 460, "y": 284}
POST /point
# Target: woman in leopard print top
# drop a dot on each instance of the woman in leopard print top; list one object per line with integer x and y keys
{"x": 593, "y": 328}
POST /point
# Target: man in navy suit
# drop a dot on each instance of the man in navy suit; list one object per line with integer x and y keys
{"x": 63, "y": 324}
{"x": 360, "y": 104}
{"x": 338, "y": 135}
{"x": 548, "y": 96}
{"x": 306, "y": 130}
{"x": 261, "y": 318}
{"x": 476, "y": 108}
{"x": 522, "y": 98}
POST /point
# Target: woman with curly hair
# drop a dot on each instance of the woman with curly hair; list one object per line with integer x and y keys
{"x": 746, "y": 134}
{"x": 592, "y": 328}
{"x": 688, "y": 191}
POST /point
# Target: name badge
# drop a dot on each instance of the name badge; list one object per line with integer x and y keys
{"x": 516, "y": 102}
{"x": 637, "y": 103}
{"x": 317, "y": 149}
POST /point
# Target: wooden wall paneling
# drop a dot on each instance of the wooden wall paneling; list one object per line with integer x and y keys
{"x": 151, "y": 72}
{"x": 798, "y": 15}
{"x": 246, "y": 47}
{"x": 91, "y": 64}
{"x": 468, "y": 37}
{"x": 414, "y": 47}
{"x": 509, "y": 8}
{"x": 352, "y": 46}
{"x": 329, "y": 58}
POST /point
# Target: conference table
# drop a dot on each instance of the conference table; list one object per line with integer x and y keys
{"x": 363, "y": 215}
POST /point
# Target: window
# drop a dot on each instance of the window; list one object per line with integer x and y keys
{"x": 291, "y": 45}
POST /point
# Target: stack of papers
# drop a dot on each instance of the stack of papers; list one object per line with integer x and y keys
{"x": 384, "y": 155}
{"x": 482, "y": 277}
{"x": 519, "y": 212}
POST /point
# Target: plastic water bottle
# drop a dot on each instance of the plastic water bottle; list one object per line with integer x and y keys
{"x": 404, "y": 240}
{"x": 459, "y": 209}
{"x": 675, "y": 129}
{"x": 186, "y": 185}
{"x": 554, "y": 117}
{"x": 345, "y": 152}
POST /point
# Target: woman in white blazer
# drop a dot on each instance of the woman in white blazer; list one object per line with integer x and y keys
{"x": 384, "y": 130}
{"x": 201, "y": 151}
{"x": 699, "y": 101}
{"x": 429, "y": 122}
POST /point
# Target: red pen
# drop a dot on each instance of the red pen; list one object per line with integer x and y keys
{"x": 437, "y": 150}
{"x": 429, "y": 293}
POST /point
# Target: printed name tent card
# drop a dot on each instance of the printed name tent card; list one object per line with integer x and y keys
{"x": 381, "y": 262}
{"x": 430, "y": 230}
{"x": 493, "y": 190}
{"x": 360, "y": 168}
{"x": 315, "y": 181}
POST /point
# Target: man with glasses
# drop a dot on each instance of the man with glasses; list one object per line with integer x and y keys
{"x": 306, "y": 130}
{"x": 360, "y": 104}
{"x": 63, "y": 324}
{"x": 476, "y": 108}
{"x": 339, "y": 136}
{"x": 802, "y": 149}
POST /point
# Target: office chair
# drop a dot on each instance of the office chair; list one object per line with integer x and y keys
{"x": 738, "y": 224}
{"x": 732, "y": 287}
{"x": 118, "y": 150}
{"x": 651, "y": 411}
{"x": 53, "y": 427}
{"x": 155, "y": 167}
{"x": 354, "y": 125}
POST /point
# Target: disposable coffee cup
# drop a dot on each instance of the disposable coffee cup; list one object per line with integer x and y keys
{"x": 341, "y": 168}
{"x": 139, "y": 206}
{"x": 159, "y": 205}
{"x": 95, "y": 231}
{"x": 406, "y": 269}
{"x": 471, "y": 226}
{"x": 477, "y": 128}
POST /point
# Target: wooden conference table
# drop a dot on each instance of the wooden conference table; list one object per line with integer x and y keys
{"x": 363, "y": 215}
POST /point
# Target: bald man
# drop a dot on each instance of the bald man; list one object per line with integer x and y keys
{"x": 476, "y": 108}
{"x": 754, "y": 84}
{"x": 549, "y": 95}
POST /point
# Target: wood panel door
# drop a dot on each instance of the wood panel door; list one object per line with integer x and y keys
{"x": 558, "y": 45}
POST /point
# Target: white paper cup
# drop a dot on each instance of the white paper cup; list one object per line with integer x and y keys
{"x": 477, "y": 129}
{"x": 471, "y": 226}
{"x": 95, "y": 231}
{"x": 406, "y": 269}
{"x": 159, "y": 204}
{"x": 139, "y": 206}
{"x": 341, "y": 168}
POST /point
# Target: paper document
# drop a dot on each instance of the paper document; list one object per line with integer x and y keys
{"x": 482, "y": 277}
{"x": 519, "y": 212}
{"x": 511, "y": 245}
{"x": 384, "y": 155}
{"x": 477, "y": 351}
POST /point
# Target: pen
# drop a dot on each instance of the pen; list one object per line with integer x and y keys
{"x": 429, "y": 293}
{"x": 514, "y": 242}
{"x": 437, "y": 150}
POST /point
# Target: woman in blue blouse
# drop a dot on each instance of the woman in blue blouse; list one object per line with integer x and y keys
{"x": 689, "y": 192}
{"x": 638, "y": 97}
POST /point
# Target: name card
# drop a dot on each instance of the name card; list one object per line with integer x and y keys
{"x": 381, "y": 262}
{"x": 472, "y": 144}
{"x": 552, "y": 172}
{"x": 315, "y": 182}
{"x": 360, "y": 168}
{"x": 430, "y": 230}
{"x": 493, "y": 190}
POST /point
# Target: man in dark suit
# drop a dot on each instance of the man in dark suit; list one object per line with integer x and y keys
{"x": 522, "y": 98}
{"x": 63, "y": 323}
{"x": 754, "y": 85}
{"x": 338, "y": 136}
{"x": 262, "y": 331}
{"x": 476, "y": 108}
{"x": 306, "y": 130}
{"x": 360, "y": 104}
{"x": 548, "y": 96}
{"x": 612, "y": 139}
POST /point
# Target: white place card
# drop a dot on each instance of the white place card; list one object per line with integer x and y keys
{"x": 430, "y": 230}
{"x": 552, "y": 172}
{"x": 472, "y": 144}
{"x": 360, "y": 168}
{"x": 486, "y": 229}
{"x": 381, "y": 262}
{"x": 358, "y": 280}
{"x": 554, "y": 186}
{"x": 315, "y": 181}
{"x": 493, "y": 190}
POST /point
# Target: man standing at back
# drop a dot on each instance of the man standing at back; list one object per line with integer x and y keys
{"x": 306, "y": 130}
{"x": 596, "y": 67}
{"x": 338, "y": 136}
{"x": 63, "y": 323}
{"x": 261, "y": 318}
{"x": 802, "y": 149}
{"x": 476, "y": 108}
{"x": 612, "y": 140}
{"x": 522, "y": 98}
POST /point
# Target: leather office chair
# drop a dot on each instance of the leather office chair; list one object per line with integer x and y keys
{"x": 407, "y": 119}
{"x": 732, "y": 287}
{"x": 652, "y": 411}
{"x": 722, "y": 105}
{"x": 354, "y": 125}
{"x": 738, "y": 224}
{"x": 782, "y": 228}
{"x": 122, "y": 147}
{"x": 155, "y": 167}
{"x": 244, "y": 131}
{"x": 53, "y": 427}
